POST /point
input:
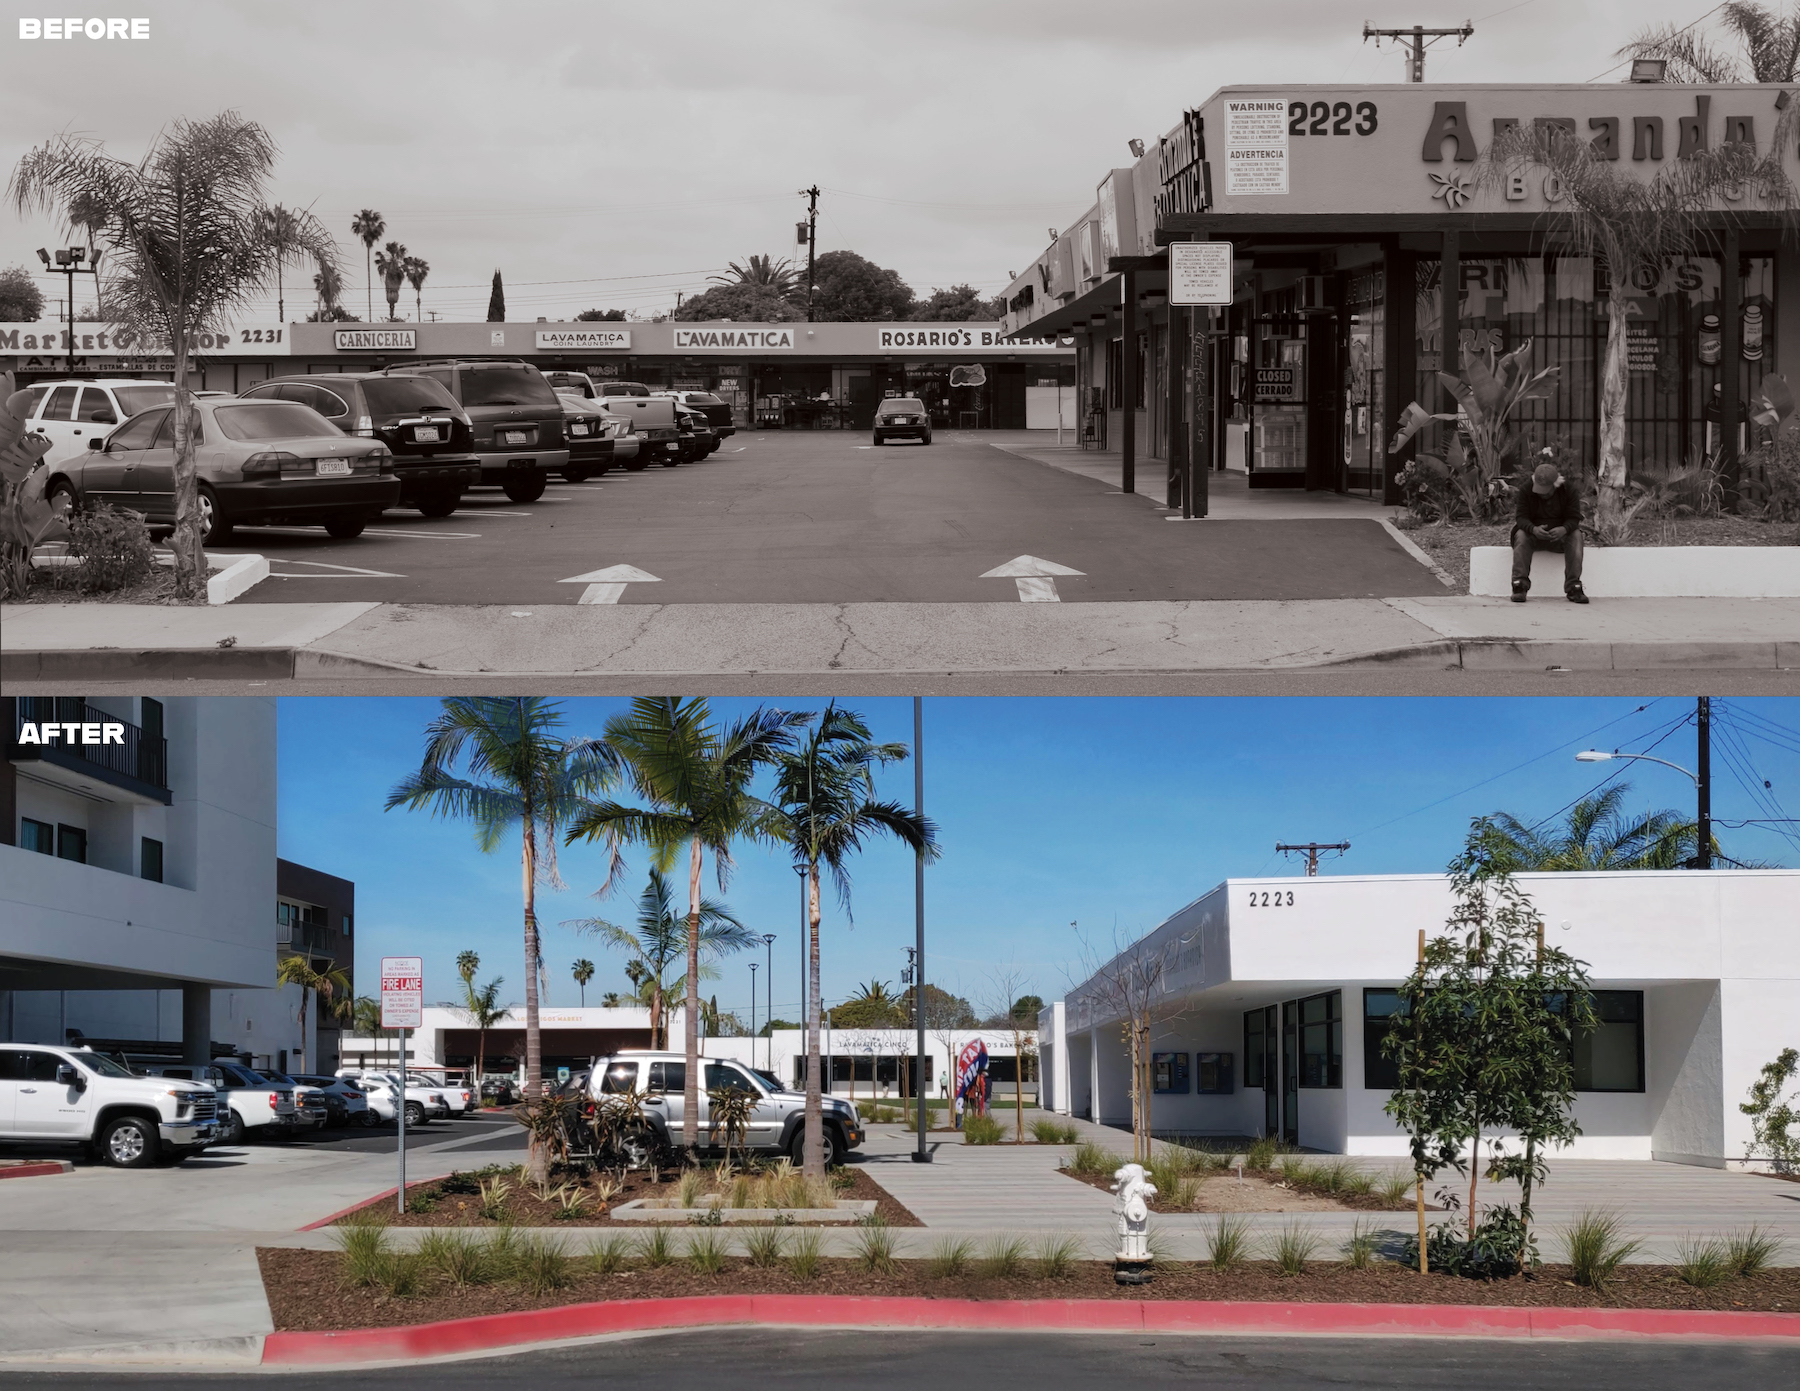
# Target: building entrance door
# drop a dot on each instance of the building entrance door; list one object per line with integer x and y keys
{"x": 1290, "y": 1072}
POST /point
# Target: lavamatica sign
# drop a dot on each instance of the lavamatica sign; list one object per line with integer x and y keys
{"x": 730, "y": 339}
{"x": 64, "y": 732}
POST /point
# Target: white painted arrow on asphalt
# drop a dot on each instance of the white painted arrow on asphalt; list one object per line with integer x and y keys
{"x": 608, "y": 586}
{"x": 1034, "y": 577}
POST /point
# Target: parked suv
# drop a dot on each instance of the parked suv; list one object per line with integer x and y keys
{"x": 247, "y": 1101}
{"x": 777, "y": 1126}
{"x": 516, "y": 417}
{"x": 70, "y": 413}
{"x": 429, "y": 435}
{"x": 54, "y": 1095}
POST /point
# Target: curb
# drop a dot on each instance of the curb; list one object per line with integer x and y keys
{"x": 574, "y": 1321}
{"x": 242, "y": 574}
{"x": 164, "y": 663}
{"x": 37, "y": 1168}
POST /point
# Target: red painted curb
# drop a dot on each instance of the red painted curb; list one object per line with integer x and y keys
{"x": 51, "y": 1166}
{"x": 354, "y": 1207}
{"x": 495, "y": 1331}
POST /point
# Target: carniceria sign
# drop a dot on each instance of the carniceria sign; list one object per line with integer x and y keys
{"x": 381, "y": 340}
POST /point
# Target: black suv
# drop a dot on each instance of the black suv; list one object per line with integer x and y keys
{"x": 517, "y": 420}
{"x": 428, "y": 434}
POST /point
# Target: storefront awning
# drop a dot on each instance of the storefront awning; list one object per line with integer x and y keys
{"x": 1073, "y": 317}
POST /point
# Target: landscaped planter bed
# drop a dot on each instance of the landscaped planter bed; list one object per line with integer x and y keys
{"x": 1258, "y": 1192}
{"x": 523, "y": 1208}
{"x": 306, "y": 1290}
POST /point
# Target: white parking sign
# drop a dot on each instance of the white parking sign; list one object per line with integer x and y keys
{"x": 1200, "y": 272}
{"x": 402, "y": 991}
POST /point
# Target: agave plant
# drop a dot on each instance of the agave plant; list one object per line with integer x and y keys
{"x": 1488, "y": 392}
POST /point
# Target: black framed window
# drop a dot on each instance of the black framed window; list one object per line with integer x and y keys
{"x": 71, "y": 843}
{"x": 1255, "y": 1047}
{"x": 1169, "y": 1073}
{"x": 1322, "y": 1040}
{"x": 1611, "y": 1057}
{"x": 150, "y": 859}
{"x": 1380, "y": 1073}
{"x": 1212, "y": 1074}
{"x": 37, "y": 835}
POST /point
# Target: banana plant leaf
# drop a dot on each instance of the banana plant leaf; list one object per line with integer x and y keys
{"x": 1412, "y": 420}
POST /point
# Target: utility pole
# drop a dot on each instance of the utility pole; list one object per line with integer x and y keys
{"x": 809, "y": 231}
{"x": 921, "y": 1155}
{"x": 1703, "y": 781}
{"x": 1415, "y": 39}
{"x": 1312, "y": 849}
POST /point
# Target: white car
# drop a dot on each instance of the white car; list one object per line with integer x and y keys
{"x": 71, "y": 413}
{"x": 52, "y": 1095}
{"x": 423, "y": 1101}
{"x": 249, "y": 1103}
{"x": 355, "y": 1099}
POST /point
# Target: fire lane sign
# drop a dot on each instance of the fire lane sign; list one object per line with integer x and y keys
{"x": 402, "y": 992}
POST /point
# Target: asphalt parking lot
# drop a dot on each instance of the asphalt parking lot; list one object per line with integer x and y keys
{"x": 822, "y": 518}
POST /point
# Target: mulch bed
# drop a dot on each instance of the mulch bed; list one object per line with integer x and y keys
{"x": 306, "y": 1292}
{"x": 158, "y": 588}
{"x": 1449, "y": 545}
{"x": 523, "y": 1209}
{"x": 1350, "y": 1202}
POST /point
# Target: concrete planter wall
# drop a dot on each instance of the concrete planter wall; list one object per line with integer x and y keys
{"x": 1651, "y": 572}
{"x": 670, "y": 1210}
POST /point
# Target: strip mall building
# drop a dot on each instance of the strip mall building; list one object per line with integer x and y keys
{"x": 1348, "y": 210}
{"x": 971, "y": 376}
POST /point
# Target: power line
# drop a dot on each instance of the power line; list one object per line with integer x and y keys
{"x": 1666, "y": 732}
{"x": 1684, "y": 28}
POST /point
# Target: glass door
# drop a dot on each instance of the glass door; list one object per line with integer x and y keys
{"x": 1361, "y": 353}
{"x": 1278, "y": 401}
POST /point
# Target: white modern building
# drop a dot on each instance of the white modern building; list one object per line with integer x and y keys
{"x": 1270, "y": 996}
{"x": 138, "y": 878}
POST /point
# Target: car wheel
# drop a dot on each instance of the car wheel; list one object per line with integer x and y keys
{"x": 834, "y": 1148}
{"x": 927, "y": 439}
{"x": 345, "y": 528}
{"x": 63, "y": 502}
{"x": 129, "y": 1143}
{"x": 231, "y": 1129}
{"x": 577, "y": 473}
{"x": 415, "y": 1113}
{"x": 524, "y": 487}
{"x": 215, "y": 526}
{"x": 879, "y": 440}
{"x": 441, "y": 503}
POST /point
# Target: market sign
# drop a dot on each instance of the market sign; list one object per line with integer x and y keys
{"x": 53, "y": 339}
{"x": 374, "y": 340}
{"x": 733, "y": 339}
{"x": 601, "y": 339}
{"x": 402, "y": 992}
{"x": 1200, "y": 272}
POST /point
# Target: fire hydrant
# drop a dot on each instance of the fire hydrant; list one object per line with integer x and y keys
{"x": 1131, "y": 1266}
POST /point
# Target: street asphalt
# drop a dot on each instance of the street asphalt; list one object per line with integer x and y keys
{"x": 775, "y": 1358}
{"x": 825, "y": 518}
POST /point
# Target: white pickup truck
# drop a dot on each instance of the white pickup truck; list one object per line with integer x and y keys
{"x": 248, "y": 1101}
{"x": 51, "y": 1095}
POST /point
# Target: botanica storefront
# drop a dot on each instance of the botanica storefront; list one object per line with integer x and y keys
{"x": 1350, "y": 210}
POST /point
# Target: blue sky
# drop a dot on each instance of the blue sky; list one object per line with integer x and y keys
{"x": 1105, "y": 813}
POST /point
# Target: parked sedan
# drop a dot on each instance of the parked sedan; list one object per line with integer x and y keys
{"x": 260, "y": 463}
{"x": 347, "y": 1103}
{"x": 902, "y": 417}
{"x": 588, "y": 427}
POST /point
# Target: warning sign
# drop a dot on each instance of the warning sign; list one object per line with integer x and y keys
{"x": 1256, "y": 145}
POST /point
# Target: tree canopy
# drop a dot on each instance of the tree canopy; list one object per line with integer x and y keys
{"x": 21, "y": 302}
{"x": 742, "y": 303}
{"x": 1597, "y": 834}
{"x": 1755, "y": 43}
{"x": 959, "y": 304}
{"x": 600, "y": 316}
{"x": 853, "y": 289}
{"x": 497, "y": 302}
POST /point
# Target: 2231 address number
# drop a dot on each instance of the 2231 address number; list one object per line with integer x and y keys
{"x": 1271, "y": 898}
{"x": 1329, "y": 118}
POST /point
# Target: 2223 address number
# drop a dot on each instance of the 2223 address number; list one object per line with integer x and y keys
{"x": 1328, "y": 118}
{"x": 1272, "y": 898}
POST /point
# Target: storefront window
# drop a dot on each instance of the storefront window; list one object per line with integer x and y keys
{"x": 1611, "y": 1057}
{"x": 1322, "y": 1040}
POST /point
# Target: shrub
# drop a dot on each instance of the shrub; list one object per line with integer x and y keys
{"x": 539, "y": 1266}
{"x": 949, "y": 1258}
{"x": 1500, "y": 1247}
{"x": 688, "y": 1188}
{"x": 494, "y": 1193}
{"x": 570, "y": 1200}
{"x": 1047, "y": 1132}
{"x": 608, "y": 1255}
{"x": 1595, "y": 1250}
{"x": 1396, "y": 1190}
{"x": 425, "y": 1200}
{"x": 706, "y": 1252}
{"x": 365, "y": 1249}
{"x": 1003, "y": 1258}
{"x": 981, "y": 1130}
{"x": 1359, "y": 1250}
{"x": 401, "y": 1274}
{"x": 1292, "y": 1248}
{"x": 1090, "y": 1158}
{"x": 458, "y": 1257}
{"x": 111, "y": 548}
{"x": 803, "y": 1257}
{"x": 654, "y": 1249}
{"x": 1056, "y": 1256}
{"x": 765, "y": 1246}
{"x": 1261, "y": 1154}
{"x": 459, "y": 1184}
{"x": 1229, "y": 1243}
{"x": 1703, "y": 1264}
{"x": 1771, "y": 478}
{"x": 503, "y": 1251}
{"x": 1752, "y": 1250}
{"x": 875, "y": 1248}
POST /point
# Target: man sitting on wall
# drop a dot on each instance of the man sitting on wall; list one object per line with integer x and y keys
{"x": 1548, "y": 518}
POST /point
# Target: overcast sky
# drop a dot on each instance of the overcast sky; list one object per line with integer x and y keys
{"x": 614, "y": 154}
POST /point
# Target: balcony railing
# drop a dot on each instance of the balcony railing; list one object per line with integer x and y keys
{"x": 140, "y": 756}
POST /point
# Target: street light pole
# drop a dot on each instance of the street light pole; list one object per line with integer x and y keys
{"x": 753, "y": 1014}
{"x": 1703, "y": 782}
{"x": 769, "y": 988}
{"x": 921, "y": 1155}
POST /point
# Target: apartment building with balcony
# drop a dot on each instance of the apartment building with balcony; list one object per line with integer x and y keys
{"x": 315, "y": 916}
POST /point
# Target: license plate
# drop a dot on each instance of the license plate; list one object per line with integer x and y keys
{"x": 676, "y": 448}
{"x": 512, "y": 437}
{"x": 333, "y": 466}
{"x": 578, "y": 429}
{"x": 426, "y": 434}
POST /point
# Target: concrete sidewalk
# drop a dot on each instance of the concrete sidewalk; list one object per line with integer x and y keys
{"x": 103, "y": 642}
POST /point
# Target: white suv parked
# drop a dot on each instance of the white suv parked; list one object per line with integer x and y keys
{"x": 71, "y": 413}
{"x": 52, "y": 1095}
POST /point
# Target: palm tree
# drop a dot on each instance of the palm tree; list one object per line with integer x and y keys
{"x": 779, "y": 276}
{"x": 482, "y": 1008}
{"x": 365, "y": 1016}
{"x": 611, "y": 1000}
{"x": 825, "y": 789}
{"x": 522, "y": 773}
{"x": 467, "y": 965}
{"x": 1769, "y": 42}
{"x": 189, "y": 245}
{"x": 391, "y": 262}
{"x": 416, "y": 268}
{"x": 328, "y": 285}
{"x": 369, "y": 225}
{"x": 1597, "y": 835}
{"x": 282, "y": 226}
{"x": 583, "y": 971}
{"x": 659, "y": 939}
{"x": 329, "y": 981}
{"x": 695, "y": 780}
